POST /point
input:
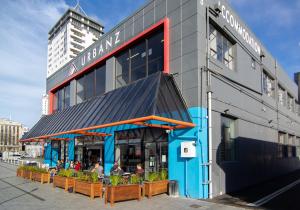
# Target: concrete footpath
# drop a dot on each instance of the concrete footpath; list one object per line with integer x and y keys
{"x": 17, "y": 193}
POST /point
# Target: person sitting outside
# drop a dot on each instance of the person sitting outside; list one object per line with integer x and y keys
{"x": 98, "y": 169}
{"x": 77, "y": 166}
{"x": 116, "y": 170}
{"x": 139, "y": 170}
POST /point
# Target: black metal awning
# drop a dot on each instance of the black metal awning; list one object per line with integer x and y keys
{"x": 152, "y": 101}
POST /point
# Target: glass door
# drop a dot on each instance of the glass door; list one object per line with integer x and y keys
{"x": 150, "y": 158}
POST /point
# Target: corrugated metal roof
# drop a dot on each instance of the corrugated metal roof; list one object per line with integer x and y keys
{"x": 156, "y": 95}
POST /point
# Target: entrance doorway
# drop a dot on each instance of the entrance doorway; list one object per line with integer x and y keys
{"x": 147, "y": 146}
{"x": 89, "y": 150}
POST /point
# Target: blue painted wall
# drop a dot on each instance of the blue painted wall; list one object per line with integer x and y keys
{"x": 191, "y": 173}
{"x": 71, "y": 150}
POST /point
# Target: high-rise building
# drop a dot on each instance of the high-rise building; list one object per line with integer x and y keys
{"x": 10, "y": 133}
{"x": 45, "y": 104}
{"x": 72, "y": 33}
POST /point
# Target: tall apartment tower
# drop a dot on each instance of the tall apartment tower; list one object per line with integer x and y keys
{"x": 10, "y": 133}
{"x": 72, "y": 33}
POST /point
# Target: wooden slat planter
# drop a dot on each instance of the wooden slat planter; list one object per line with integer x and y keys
{"x": 63, "y": 182}
{"x": 20, "y": 172}
{"x": 27, "y": 174}
{"x": 155, "y": 188}
{"x": 41, "y": 177}
{"x": 122, "y": 193}
{"x": 87, "y": 188}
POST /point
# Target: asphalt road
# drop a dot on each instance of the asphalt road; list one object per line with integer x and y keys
{"x": 281, "y": 193}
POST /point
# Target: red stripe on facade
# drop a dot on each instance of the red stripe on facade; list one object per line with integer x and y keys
{"x": 164, "y": 22}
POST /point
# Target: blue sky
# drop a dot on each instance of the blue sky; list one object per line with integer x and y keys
{"x": 23, "y": 41}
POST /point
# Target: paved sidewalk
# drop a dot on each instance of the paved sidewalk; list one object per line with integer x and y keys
{"x": 18, "y": 193}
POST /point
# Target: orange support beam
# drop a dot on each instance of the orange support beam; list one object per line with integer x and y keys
{"x": 140, "y": 121}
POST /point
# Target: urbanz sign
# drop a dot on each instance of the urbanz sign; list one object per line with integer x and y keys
{"x": 97, "y": 50}
{"x": 234, "y": 23}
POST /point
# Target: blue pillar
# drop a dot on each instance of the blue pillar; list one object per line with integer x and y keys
{"x": 191, "y": 173}
{"x": 109, "y": 148}
{"x": 47, "y": 154}
{"x": 71, "y": 149}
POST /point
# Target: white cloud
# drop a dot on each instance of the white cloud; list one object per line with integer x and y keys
{"x": 24, "y": 25}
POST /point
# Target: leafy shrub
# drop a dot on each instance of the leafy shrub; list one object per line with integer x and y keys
{"x": 68, "y": 173}
{"x": 153, "y": 176}
{"x": 163, "y": 174}
{"x": 115, "y": 180}
{"x": 62, "y": 172}
{"x": 134, "y": 179}
{"x": 94, "y": 177}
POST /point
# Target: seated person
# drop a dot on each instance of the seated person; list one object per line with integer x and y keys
{"x": 98, "y": 169}
{"x": 139, "y": 170}
{"x": 116, "y": 170}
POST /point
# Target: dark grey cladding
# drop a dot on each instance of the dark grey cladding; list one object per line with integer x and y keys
{"x": 155, "y": 95}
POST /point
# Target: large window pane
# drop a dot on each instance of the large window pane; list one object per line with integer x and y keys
{"x": 90, "y": 85}
{"x": 122, "y": 69}
{"x": 60, "y": 98}
{"x": 156, "y": 52}
{"x": 221, "y": 48}
{"x": 228, "y": 138}
{"x": 67, "y": 97}
{"x": 138, "y": 61}
{"x": 100, "y": 80}
{"x": 80, "y": 90}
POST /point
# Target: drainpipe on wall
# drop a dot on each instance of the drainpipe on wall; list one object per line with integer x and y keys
{"x": 209, "y": 114}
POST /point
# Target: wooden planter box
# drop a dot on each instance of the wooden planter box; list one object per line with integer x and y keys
{"x": 122, "y": 193}
{"x": 20, "y": 172}
{"x": 41, "y": 177}
{"x": 87, "y": 188}
{"x": 63, "y": 182}
{"x": 27, "y": 174}
{"x": 155, "y": 188}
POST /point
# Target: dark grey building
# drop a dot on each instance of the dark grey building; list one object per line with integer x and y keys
{"x": 242, "y": 103}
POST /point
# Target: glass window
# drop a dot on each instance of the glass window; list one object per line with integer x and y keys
{"x": 60, "y": 99}
{"x": 268, "y": 85}
{"x": 89, "y": 85}
{"x": 138, "y": 61}
{"x": 281, "y": 96}
{"x": 156, "y": 52}
{"x": 221, "y": 48}
{"x": 297, "y": 143}
{"x": 281, "y": 137}
{"x": 228, "y": 138}
{"x": 79, "y": 90}
{"x": 122, "y": 69}
{"x": 290, "y": 102}
{"x": 67, "y": 97}
{"x": 100, "y": 80}
{"x": 290, "y": 144}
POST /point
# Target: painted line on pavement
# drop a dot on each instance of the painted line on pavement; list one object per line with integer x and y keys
{"x": 273, "y": 195}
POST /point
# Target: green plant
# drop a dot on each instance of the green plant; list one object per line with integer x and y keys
{"x": 134, "y": 179}
{"x": 68, "y": 173}
{"x": 163, "y": 174}
{"x": 153, "y": 176}
{"x": 115, "y": 180}
{"x": 94, "y": 177}
{"x": 61, "y": 172}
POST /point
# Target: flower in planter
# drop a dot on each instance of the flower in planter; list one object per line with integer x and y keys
{"x": 134, "y": 179}
{"x": 163, "y": 174}
{"x": 153, "y": 176}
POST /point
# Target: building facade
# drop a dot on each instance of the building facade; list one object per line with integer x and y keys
{"x": 243, "y": 106}
{"x": 45, "y": 104}
{"x": 72, "y": 33}
{"x": 10, "y": 134}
